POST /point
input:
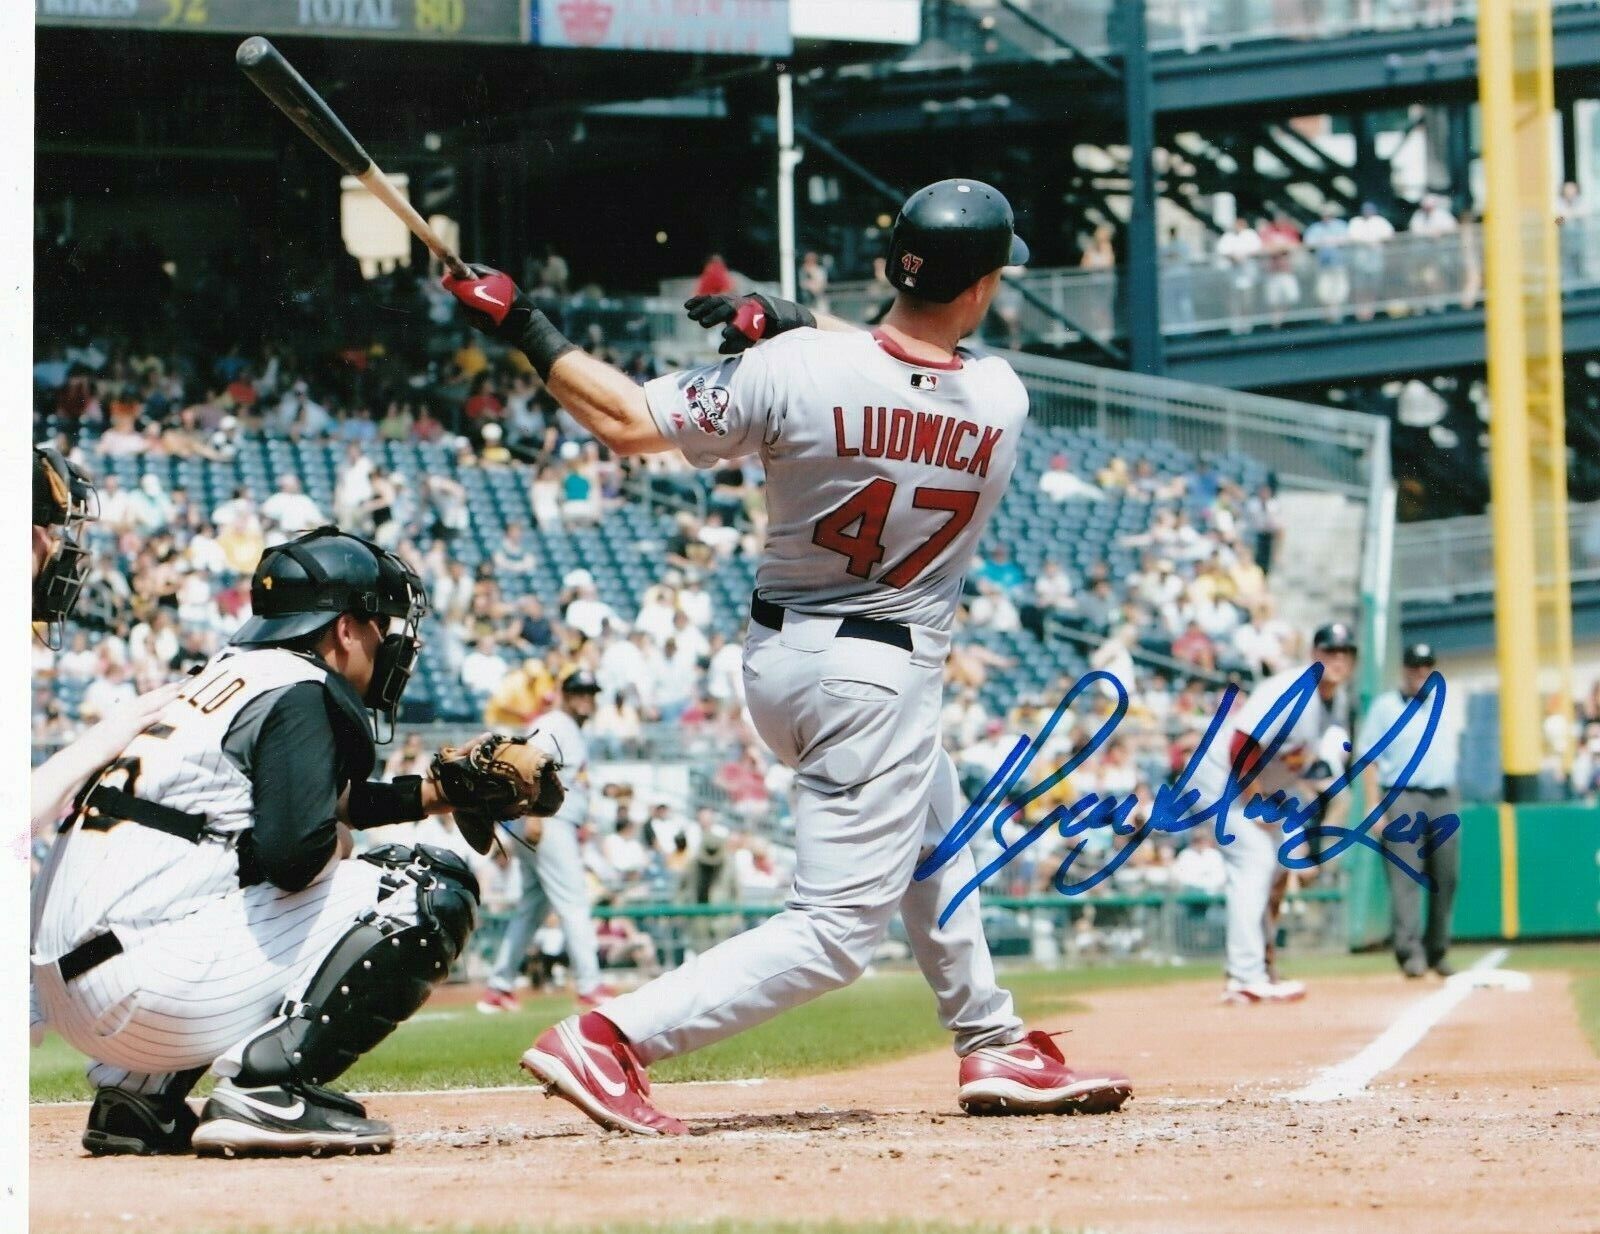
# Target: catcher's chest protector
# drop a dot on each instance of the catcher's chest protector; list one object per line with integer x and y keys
{"x": 125, "y": 872}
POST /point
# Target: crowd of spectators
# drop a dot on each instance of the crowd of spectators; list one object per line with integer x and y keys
{"x": 170, "y": 568}
{"x": 1268, "y": 270}
{"x": 1196, "y": 615}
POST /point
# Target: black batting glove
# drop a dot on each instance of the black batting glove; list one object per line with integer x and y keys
{"x": 746, "y": 320}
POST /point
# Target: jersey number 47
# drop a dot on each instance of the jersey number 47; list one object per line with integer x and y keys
{"x": 870, "y": 509}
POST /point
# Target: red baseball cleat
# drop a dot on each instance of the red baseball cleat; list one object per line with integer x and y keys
{"x": 495, "y": 1001}
{"x": 1031, "y": 1076}
{"x": 597, "y": 997}
{"x": 1240, "y": 993}
{"x": 587, "y": 1061}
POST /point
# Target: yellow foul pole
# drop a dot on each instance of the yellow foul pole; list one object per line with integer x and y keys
{"x": 1523, "y": 311}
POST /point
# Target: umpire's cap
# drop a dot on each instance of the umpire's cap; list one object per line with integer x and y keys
{"x": 1418, "y": 655}
{"x": 303, "y": 585}
{"x": 1335, "y": 636}
{"x": 580, "y": 681}
{"x": 948, "y": 236}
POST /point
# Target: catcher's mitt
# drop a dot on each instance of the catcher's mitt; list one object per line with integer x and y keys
{"x": 495, "y": 779}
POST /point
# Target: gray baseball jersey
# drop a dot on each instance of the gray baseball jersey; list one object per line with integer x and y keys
{"x": 881, "y": 474}
{"x": 1301, "y": 744}
{"x": 560, "y": 736}
{"x": 882, "y": 471}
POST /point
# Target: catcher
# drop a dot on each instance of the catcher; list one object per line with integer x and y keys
{"x": 200, "y": 910}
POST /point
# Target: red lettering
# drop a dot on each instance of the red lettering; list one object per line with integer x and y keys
{"x": 899, "y": 432}
{"x": 944, "y": 443}
{"x": 925, "y": 439}
{"x": 838, "y": 435}
{"x": 872, "y": 443}
{"x": 964, "y": 429}
{"x": 980, "y": 457}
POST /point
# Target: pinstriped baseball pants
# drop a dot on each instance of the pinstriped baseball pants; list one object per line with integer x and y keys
{"x": 192, "y": 992}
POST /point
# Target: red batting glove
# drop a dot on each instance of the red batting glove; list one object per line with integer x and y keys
{"x": 493, "y": 303}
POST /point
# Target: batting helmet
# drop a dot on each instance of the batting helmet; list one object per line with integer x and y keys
{"x": 948, "y": 236}
{"x": 301, "y": 587}
{"x": 1335, "y": 636}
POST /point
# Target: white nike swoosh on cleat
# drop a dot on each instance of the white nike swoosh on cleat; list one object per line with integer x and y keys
{"x": 483, "y": 294}
{"x": 287, "y": 1112}
{"x": 586, "y": 1051}
{"x": 757, "y": 322}
{"x": 167, "y": 1128}
{"x": 1032, "y": 1064}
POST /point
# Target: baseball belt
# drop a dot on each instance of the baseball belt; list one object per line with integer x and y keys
{"x": 766, "y": 613}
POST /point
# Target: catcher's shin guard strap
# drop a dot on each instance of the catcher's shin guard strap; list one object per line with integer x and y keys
{"x": 375, "y": 977}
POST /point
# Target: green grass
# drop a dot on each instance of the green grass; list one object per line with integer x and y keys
{"x": 882, "y": 1018}
{"x": 1582, "y": 960}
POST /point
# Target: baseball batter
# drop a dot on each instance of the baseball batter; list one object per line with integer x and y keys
{"x": 197, "y": 910}
{"x": 552, "y": 871}
{"x": 885, "y": 454}
{"x": 1252, "y": 854}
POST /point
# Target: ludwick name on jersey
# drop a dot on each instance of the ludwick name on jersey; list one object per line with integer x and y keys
{"x": 918, "y": 436}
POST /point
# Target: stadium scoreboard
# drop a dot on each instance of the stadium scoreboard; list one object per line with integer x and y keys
{"x": 492, "y": 21}
{"x": 732, "y": 27}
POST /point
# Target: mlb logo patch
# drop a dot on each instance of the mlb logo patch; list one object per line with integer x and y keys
{"x": 924, "y": 381}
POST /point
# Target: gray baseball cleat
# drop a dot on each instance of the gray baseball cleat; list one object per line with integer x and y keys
{"x": 287, "y": 1120}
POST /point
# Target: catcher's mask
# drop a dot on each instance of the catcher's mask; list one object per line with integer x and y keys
{"x": 301, "y": 587}
{"x": 64, "y": 497}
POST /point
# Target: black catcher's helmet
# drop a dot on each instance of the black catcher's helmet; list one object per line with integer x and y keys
{"x": 302, "y": 586}
{"x": 948, "y": 236}
{"x": 64, "y": 497}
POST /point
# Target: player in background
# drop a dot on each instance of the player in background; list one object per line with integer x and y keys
{"x": 1251, "y": 853}
{"x": 199, "y": 910}
{"x": 552, "y": 871}
{"x": 885, "y": 455}
{"x": 64, "y": 502}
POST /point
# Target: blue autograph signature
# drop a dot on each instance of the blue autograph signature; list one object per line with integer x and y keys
{"x": 1177, "y": 807}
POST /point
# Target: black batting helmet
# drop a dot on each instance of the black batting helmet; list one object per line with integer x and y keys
{"x": 301, "y": 587}
{"x": 1335, "y": 636}
{"x": 948, "y": 236}
{"x": 580, "y": 681}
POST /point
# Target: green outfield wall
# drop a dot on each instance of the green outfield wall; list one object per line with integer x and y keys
{"x": 1530, "y": 871}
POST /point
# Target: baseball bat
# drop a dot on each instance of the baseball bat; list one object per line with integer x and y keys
{"x": 276, "y": 78}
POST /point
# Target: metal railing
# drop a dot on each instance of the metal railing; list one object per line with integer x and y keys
{"x": 1449, "y": 557}
{"x": 1316, "y": 282}
{"x": 1306, "y": 446}
{"x": 1170, "y": 923}
{"x": 995, "y": 32}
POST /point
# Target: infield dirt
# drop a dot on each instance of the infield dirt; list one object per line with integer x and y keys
{"x": 1491, "y": 1123}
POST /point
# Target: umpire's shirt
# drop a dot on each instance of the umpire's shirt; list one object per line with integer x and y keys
{"x": 1435, "y": 774}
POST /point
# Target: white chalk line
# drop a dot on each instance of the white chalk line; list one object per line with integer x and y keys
{"x": 1350, "y": 1077}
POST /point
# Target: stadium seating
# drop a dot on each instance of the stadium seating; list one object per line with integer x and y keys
{"x": 623, "y": 550}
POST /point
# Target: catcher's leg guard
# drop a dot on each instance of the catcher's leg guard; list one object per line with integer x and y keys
{"x": 374, "y": 977}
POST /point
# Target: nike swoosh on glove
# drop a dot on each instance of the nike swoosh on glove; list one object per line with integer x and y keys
{"x": 746, "y": 320}
{"x": 493, "y": 303}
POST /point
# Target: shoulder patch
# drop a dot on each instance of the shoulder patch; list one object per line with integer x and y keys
{"x": 708, "y": 408}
